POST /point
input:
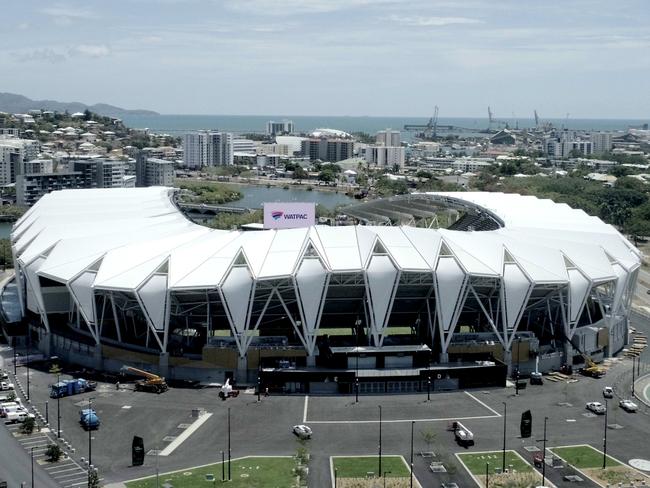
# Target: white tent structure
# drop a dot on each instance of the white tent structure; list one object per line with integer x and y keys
{"x": 125, "y": 267}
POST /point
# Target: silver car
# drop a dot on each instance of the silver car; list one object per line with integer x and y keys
{"x": 596, "y": 407}
{"x": 302, "y": 431}
{"x": 628, "y": 406}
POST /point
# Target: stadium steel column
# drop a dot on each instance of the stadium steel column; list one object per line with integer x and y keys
{"x": 379, "y": 440}
{"x": 505, "y": 413}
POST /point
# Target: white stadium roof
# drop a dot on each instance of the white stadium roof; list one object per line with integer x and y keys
{"x": 136, "y": 240}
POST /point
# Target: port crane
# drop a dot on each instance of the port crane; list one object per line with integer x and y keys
{"x": 492, "y": 120}
{"x": 432, "y": 127}
{"x": 151, "y": 382}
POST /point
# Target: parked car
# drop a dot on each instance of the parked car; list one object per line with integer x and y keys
{"x": 19, "y": 416}
{"x": 3, "y": 375}
{"x": 628, "y": 406}
{"x": 596, "y": 407}
{"x": 608, "y": 392}
{"x": 302, "y": 431}
{"x": 4, "y": 386}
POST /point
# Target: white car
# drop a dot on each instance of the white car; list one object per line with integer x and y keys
{"x": 4, "y": 386}
{"x": 608, "y": 392}
{"x": 19, "y": 416}
{"x": 596, "y": 407}
{"x": 302, "y": 431}
{"x": 628, "y": 406}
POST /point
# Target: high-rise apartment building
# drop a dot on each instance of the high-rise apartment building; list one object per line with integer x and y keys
{"x": 31, "y": 187}
{"x": 157, "y": 172}
{"x": 206, "y": 148}
{"x": 601, "y": 142}
{"x": 385, "y": 156}
{"x": 99, "y": 172}
{"x": 388, "y": 137}
{"x": 329, "y": 150}
{"x": 13, "y": 152}
{"x": 274, "y": 128}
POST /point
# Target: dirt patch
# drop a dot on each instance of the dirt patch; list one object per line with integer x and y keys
{"x": 373, "y": 482}
{"x": 512, "y": 480}
{"x": 615, "y": 475}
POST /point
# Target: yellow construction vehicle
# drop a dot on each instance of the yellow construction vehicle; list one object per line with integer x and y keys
{"x": 591, "y": 368}
{"x": 151, "y": 382}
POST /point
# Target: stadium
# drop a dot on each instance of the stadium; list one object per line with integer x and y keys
{"x": 121, "y": 276}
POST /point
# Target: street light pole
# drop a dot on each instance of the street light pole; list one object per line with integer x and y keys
{"x": 380, "y": 439}
{"x": 223, "y": 466}
{"x": 14, "y": 340}
{"x": 605, "y": 439}
{"x": 544, "y": 454}
{"x": 428, "y": 388}
{"x": 633, "y": 374}
{"x": 229, "y": 457}
{"x": 385, "y": 473}
{"x": 487, "y": 475}
{"x": 90, "y": 443}
{"x": 58, "y": 408}
{"x": 32, "y": 467}
{"x": 412, "y": 427}
{"x": 505, "y": 413}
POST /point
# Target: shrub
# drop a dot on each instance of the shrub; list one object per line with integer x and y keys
{"x": 53, "y": 453}
{"x": 28, "y": 426}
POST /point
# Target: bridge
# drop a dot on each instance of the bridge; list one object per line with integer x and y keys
{"x": 204, "y": 209}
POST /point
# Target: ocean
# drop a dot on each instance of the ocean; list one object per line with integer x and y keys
{"x": 177, "y": 124}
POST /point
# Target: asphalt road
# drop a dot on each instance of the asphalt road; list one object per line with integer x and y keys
{"x": 341, "y": 426}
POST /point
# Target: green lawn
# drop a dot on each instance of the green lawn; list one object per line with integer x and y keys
{"x": 583, "y": 457}
{"x": 249, "y": 473}
{"x": 476, "y": 462}
{"x": 358, "y": 467}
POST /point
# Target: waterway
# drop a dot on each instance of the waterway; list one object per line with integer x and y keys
{"x": 255, "y": 196}
{"x": 5, "y": 229}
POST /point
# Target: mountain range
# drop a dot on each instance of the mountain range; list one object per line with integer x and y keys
{"x": 13, "y": 103}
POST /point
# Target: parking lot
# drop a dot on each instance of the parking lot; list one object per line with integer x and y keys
{"x": 340, "y": 425}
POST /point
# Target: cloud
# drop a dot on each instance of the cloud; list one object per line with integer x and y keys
{"x": 39, "y": 55}
{"x": 296, "y": 7}
{"x": 66, "y": 14}
{"x": 90, "y": 50}
{"x": 426, "y": 21}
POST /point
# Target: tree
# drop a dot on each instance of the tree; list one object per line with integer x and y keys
{"x": 299, "y": 173}
{"x": 93, "y": 479}
{"x": 327, "y": 175}
{"x": 28, "y": 426}
{"x": 428, "y": 436}
{"x": 53, "y": 453}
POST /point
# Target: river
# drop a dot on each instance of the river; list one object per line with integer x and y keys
{"x": 255, "y": 196}
{"x": 5, "y": 229}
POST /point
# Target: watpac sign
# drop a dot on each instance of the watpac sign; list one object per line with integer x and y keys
{"x": 289, "y": 215}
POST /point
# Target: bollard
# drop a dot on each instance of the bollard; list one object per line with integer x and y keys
{"x": 83, "y": 460}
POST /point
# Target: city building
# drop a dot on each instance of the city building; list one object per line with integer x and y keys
{"x": 123, "y": 272}
{"x": 154, "y": 172}
{"x": 206, "y": 148}
{"x": 388, "y": 137}
{"x": 327, "y": 149}
{"x": 559, "y": 148}
{"x": 13, "y": 152}
{"x": 100, "y": 172}
{"x": 275, "y": 128}
{"x": 243, "y": 145}
{"x": 281, "y": 149}
{"x": 9, "y": 131}
{"x": 33, "y": 186}
{"x": 601, "y": 142}
{"x": 385, "y": 156}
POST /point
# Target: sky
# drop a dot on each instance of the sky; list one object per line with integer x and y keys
{"x": 589, "y": 59}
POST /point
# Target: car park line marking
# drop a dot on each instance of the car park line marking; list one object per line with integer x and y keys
{"x": 57, "y": 467}
{"x": 397, "y": 421}
{"x": 171, "y": 447}
{"x": 416, "y": 482}
{"x": 484, "y": 404}
{"x": 62, "y": 470}
{"x": 74, "y": 476}
{"x": 77, "y": 484}
{"x": 304, "y": 410}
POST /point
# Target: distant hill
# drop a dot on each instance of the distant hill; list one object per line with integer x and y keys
{"x": 12, "y": 103}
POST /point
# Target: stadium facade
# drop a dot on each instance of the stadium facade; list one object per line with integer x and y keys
{"x": 125, "y": 274}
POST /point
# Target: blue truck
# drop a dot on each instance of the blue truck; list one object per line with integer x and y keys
{"x": 71, "y": 387}
{"x": 88, "y": 419}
